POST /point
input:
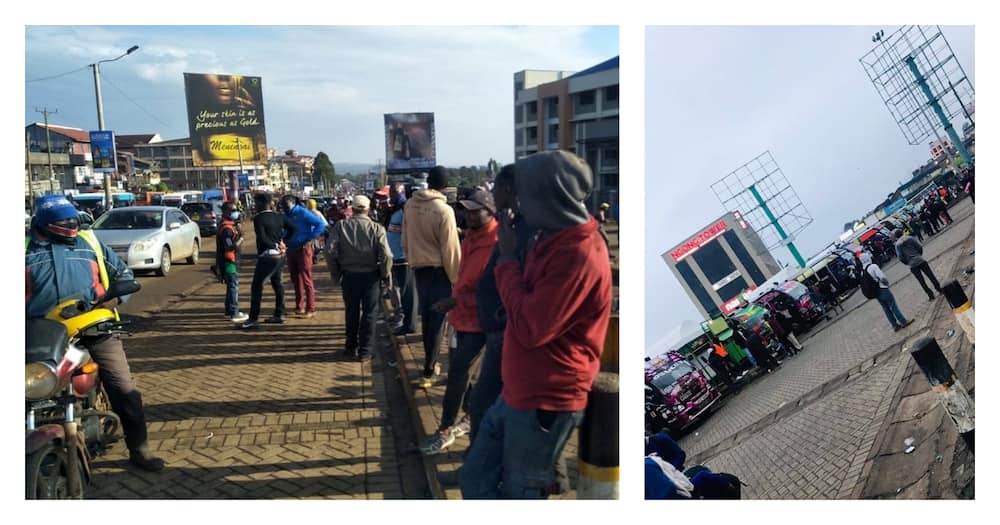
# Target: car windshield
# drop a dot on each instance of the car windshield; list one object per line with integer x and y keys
{"x": 796, "y": 291}
{"x": 130, "y": 220}
{"x": 666, "y": 378}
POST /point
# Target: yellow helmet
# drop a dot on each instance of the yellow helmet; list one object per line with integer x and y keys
{"x": 76, "y": 324}
{"x": 311, "y": 204}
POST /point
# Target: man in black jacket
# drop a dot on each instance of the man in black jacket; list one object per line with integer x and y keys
{"x": 271, "y": 229}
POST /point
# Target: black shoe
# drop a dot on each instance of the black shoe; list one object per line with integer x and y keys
{"x": 365, "y": 357}
{"x": 275, "y": 319}
{"x": 249, "y": 324}
{"x": 145, "y": 461}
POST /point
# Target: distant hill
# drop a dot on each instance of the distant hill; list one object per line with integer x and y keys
{"x": 352, "y": 167}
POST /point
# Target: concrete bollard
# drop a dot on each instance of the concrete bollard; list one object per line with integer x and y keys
{"x": 598, "y": 441}
{"x": 949, "y": 390}
{"x": 962, "y": 308}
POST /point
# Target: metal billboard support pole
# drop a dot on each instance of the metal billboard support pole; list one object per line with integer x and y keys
{"x": 948, "y": 128}
{"x": 777, "y": 226}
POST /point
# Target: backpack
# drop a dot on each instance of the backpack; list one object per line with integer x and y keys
{"x": 869, "y": 287}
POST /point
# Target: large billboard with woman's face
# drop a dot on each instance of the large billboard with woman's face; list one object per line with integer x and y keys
{"x": 409, "y": 141}
{"x": 225, "y": 119}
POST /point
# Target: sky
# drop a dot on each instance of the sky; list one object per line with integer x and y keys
{"x": 325, "y": 88}
{"x": 720, "y": 96}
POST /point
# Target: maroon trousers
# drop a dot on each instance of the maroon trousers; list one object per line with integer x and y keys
{"x": 300, "y": 265}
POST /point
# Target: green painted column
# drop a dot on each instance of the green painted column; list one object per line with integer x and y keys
{"x": 948, "y": 128}
{"x": 781, "y": 231}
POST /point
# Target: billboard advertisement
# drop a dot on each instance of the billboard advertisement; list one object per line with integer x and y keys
{"x": 409, "y": 141}
{"x": 225, "y": 119}
{"x": 102, "y": 151}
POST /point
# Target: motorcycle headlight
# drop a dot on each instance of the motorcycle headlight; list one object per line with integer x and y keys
{"x": 40, "y": 381}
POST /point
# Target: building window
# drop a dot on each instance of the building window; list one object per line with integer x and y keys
{"x": 519, "y": 114}
{"x": 532, "y": 108}
{"x": 744, "y": 257}
{"x": 610, "y": 157}
{"x": 552, "y": 107}
{"x": 609, "y": 180}
{"x": 585, "y": 102}
{"x": 732, "y": 289}
{"x": 553, "y": 133}
{"x": 611, "y": 97}
{"x": 532, "y": 134}
{"x": 518, "y": 85}
{"x": 694, "y": 285}
{"x": 518, "y": 138}
{"x": 714, "y": 262}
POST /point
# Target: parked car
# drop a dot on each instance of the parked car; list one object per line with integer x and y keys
{"x": 150, "y": 237}
{"x": 208, "y": 215}
{"x": 794, "y": 297}
{"x": 681, "y": 392}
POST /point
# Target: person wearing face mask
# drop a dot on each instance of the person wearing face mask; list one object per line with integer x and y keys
{"x": 61, "y": 263}
{"x": 227, "y": 260}
{"x": 480, "y": 238}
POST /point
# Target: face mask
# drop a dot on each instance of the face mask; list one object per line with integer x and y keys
{"x": 235, "y": 215}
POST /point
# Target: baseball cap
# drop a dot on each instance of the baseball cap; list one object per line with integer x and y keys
{"x": 360, "y": 202}
{"x": 479, "y": 199}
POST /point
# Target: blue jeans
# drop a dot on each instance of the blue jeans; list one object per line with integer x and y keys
{"x": 514, "y": 455}
{"x": 232, "y": 294}
{"x": 892, "y": 312}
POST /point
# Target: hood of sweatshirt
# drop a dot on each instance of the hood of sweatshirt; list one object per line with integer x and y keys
{"x": 551, "y": 187}
{"x": 429, "y": 195}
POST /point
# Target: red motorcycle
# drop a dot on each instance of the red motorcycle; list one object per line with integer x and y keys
{"x": 68, "y": 417}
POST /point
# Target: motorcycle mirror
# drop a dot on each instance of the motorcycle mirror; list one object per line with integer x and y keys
{"x": 121, "y": 289}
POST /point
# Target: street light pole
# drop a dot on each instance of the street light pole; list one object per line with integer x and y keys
{"x": 108, "y": 203}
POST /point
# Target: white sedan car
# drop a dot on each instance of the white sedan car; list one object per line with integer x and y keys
{"x": 149, "y": 237}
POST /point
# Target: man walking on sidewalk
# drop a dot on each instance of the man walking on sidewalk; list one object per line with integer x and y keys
{"x": 911, "y": 253}
{"x": 480, "y": 238}
{"x": 359, "y": 257}
{"x": 308, "y": 227}
{"x": 430, "y": 240}
{"x": 271, "y": 228}
{"x": 558, "y": 307}
{"x": 873, "y": 277}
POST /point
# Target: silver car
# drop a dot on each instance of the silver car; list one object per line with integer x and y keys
{"x": 149, "y": 237}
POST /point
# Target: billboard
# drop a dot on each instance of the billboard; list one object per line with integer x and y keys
{"x": 225, "y": 119}
{"x": 102, "y": 151}
{"x": 409, "y": 141}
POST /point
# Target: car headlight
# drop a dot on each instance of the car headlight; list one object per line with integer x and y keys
{"x": 40, "y": 381}
{"x": 141, "y": 246}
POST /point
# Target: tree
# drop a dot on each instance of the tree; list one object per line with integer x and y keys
{"x": 161, "y": 186}
{"x": 324, "y": 170}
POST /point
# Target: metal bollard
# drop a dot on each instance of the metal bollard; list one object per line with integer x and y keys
{"x": 949, "y": 390}
{"x": 598, "y": 441}
{"x": 962, "y": 308}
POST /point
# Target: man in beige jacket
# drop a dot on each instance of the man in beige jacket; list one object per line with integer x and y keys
{"x": 430, "y": 240}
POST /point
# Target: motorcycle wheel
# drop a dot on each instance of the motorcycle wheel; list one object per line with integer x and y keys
{"x": 46, "y": 474}
{"x": 109, "y": 426}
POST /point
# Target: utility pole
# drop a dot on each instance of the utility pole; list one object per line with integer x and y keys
{"x": 28, "y": 174}
{"x": 48, "y": 146}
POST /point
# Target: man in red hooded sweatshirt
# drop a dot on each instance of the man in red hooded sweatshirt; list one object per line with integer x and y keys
{"x": 463, "y": 315}
{"x": 558, "y": 307}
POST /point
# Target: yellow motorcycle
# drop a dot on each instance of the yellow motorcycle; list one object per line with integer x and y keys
{"x": 68, "y": 417}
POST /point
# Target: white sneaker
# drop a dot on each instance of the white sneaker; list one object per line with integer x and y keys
{"x": 239, "y": 317}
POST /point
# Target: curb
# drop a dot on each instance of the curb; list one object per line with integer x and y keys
{"x": 430, "y": 469}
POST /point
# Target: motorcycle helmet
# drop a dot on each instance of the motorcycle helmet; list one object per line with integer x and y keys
{"x": 57, "y": 219}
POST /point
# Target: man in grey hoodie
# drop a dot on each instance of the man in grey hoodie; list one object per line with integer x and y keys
{"x": 910, "y": 253}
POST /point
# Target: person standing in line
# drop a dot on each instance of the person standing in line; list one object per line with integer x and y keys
{"x": 558, "y": 307}
{"x": 320, "y": 242}
{"x": 480, "y": 239}
{"x": 359, "y": 258}
{"x": 308, "y": 227}
{"x": 402, "y": 280}
{"x": 271, "y": 229}
{"x": 228, "y": 242}
{"x": 884, "y": 295}
{"x": 430, "y": 241}
{"x": 755, "y": 345}
{"x": 911, "y": 253}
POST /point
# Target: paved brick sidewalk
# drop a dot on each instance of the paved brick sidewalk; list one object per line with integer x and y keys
{"x": 824, "y": 449}
{"x": 857, "y": 335}
{"x": 271, "y": 413}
